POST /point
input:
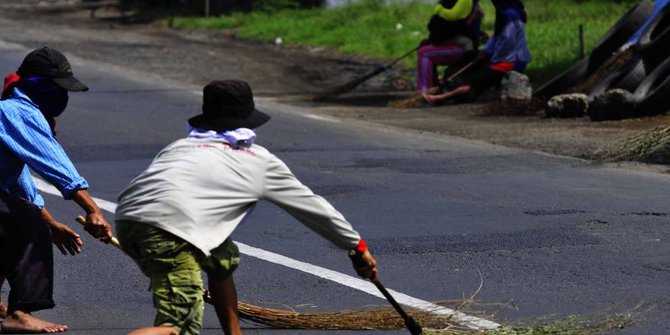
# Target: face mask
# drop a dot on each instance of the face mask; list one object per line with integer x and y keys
{"x": 46, "y": 94}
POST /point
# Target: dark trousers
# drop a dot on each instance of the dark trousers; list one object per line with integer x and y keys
{"x": 26, "y": 255}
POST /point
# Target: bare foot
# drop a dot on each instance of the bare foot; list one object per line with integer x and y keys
{"x": 24, "y": 323}
{"x": 429, "y": 98}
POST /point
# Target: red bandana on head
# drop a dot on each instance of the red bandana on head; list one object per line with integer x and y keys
{"x": 10, "y": 79}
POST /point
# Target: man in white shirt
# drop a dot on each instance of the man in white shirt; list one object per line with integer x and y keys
{"x": 175, "y": 219}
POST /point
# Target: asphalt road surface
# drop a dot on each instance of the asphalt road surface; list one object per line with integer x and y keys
{"x": 545, "y": 236}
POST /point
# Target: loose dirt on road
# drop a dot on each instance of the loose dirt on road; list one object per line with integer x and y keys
{"x": 293, "y": 75}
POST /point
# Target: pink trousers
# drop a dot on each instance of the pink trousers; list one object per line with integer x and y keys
{"x": 429, "y": 57}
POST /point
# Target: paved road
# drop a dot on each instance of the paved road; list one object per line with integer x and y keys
{"x": 548, "y": 235}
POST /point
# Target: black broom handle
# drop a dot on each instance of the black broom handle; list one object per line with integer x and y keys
{"x": 410, "y": 323}
{"x": 402, "y": 57}
{"x": 391, "y": 300}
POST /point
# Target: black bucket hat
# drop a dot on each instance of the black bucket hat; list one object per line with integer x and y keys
{"x": 50, "y": 63}
{"x": 228, "y": 105}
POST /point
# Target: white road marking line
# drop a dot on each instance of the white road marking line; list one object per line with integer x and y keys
{"x": 367, "y": 287}
{"x": 48, "y": 188}
{"x": 461, "y": 318}
{"x": 321, "y": 118}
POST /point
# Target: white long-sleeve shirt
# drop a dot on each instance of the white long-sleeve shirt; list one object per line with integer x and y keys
{"x": 201, "y": 189}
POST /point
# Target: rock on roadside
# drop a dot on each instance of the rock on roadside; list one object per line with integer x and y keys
{"x": 616, "y": 104}
{"x": 567, "y": 105}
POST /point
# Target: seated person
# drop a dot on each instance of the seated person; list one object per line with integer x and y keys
{"x": 507, "y": 50}
{"x": 454, "y": 34}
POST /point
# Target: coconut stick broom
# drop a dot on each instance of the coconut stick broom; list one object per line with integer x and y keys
{"x": 349, "y": 86}
{"x": 350, "y": 320}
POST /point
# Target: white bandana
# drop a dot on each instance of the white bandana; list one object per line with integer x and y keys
{"x": 236, "y": 138}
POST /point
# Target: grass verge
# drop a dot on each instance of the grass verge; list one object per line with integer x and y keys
{"x": 385, "y": 31}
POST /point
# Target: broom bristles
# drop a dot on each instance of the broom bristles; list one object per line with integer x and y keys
{"x": 332, "y": 93}
{"x": 383, "y": 318}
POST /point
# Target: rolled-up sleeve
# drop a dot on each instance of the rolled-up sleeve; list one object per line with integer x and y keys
{"x": 28, "y": 136}
{"x": 25, "y": 188}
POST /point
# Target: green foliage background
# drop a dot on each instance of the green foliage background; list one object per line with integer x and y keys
{"x": 374, "y": 28}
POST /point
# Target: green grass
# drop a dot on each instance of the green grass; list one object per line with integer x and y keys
{"x": 371, "y": 29}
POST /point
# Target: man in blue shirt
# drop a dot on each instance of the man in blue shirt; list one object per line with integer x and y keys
{"x": 27, "y": 123}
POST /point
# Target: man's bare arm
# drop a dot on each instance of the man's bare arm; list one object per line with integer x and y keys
{"x": 96, "y": 224}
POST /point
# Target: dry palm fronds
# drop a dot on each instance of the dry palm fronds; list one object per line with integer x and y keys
{"x": 608, "y": 67}
{"x": 640, "y": 147}
{"x": 432, "y": 324}
{"x": 383, "y": 318}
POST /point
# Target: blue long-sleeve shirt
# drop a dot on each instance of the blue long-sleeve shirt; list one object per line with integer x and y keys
{"x": 510, "y": 45}
{"x": 26, "y": 142}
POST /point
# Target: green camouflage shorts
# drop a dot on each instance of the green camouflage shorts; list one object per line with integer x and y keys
{"x": 175, "y": 269}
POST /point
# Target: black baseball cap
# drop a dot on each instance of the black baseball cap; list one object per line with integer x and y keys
{"x": 228, "y": 105}
{"x": 50, "y": 63}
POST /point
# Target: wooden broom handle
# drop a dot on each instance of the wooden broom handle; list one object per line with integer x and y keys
{"x": 115, "y": 242}
{"x": 459, "y": 72}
